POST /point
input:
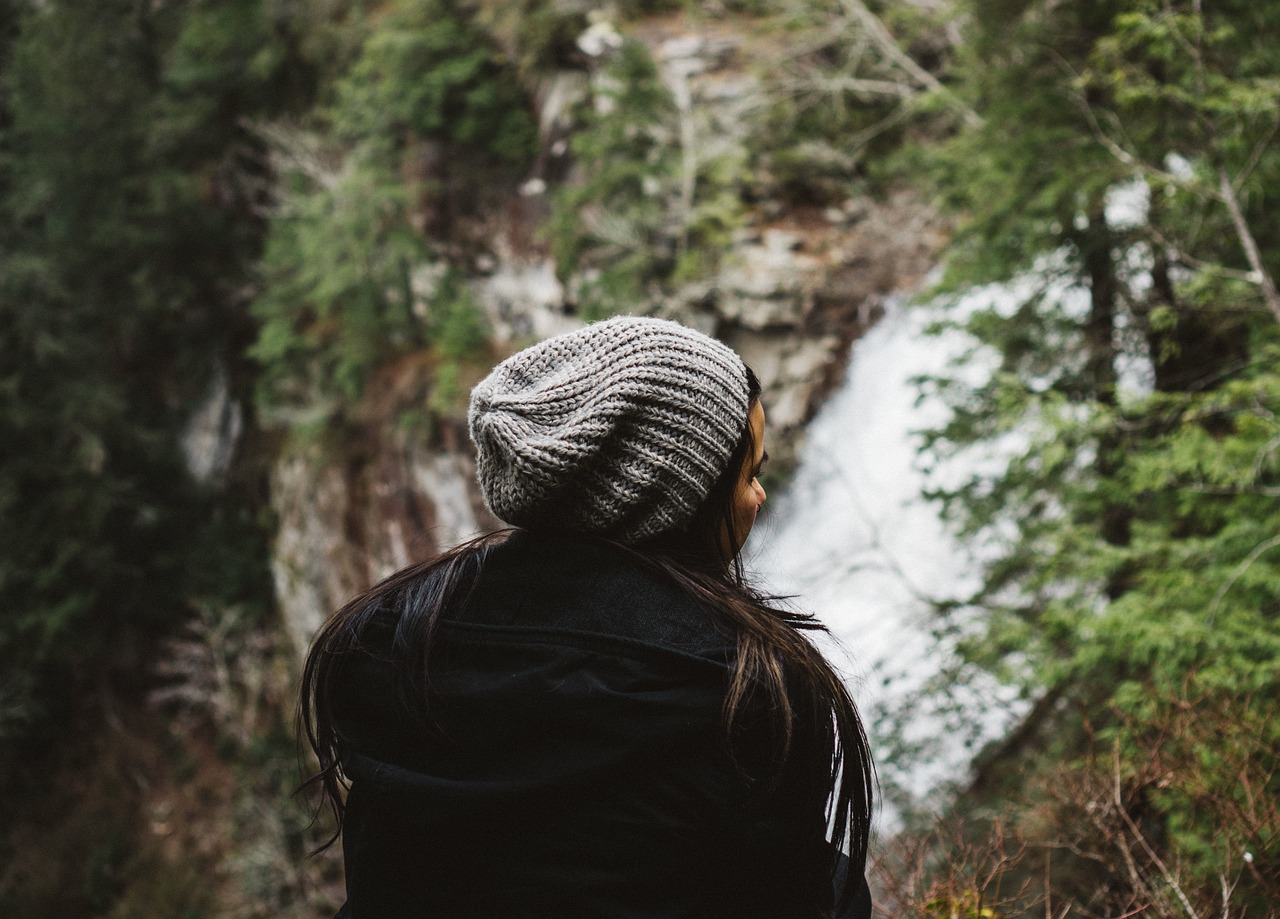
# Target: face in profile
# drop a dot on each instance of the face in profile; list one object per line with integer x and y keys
{"x": 749, "y": 495}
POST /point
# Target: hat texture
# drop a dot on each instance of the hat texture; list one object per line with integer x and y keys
{"x": 617, "y": 429}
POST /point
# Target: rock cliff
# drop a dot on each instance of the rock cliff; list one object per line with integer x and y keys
{"x": 796, "y": 284}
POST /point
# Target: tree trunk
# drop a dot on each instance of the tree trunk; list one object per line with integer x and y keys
{"x": 1096, "y": 243}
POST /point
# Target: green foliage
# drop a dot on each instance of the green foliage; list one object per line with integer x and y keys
{"x": 840, "y": 109}
{"x": 457, "y": 324}
{"x": 537, "y": 37}
{"x": 616, "y": 216}
{"x": 1195, "y": 96}
{"x": 224, "y": 58}
{"x": 116, "y": 272}
{"x": 339, "y": 296}
{"x": 641, "y": 216}
{"x": 1035, "y": 177}
{"x": 1032, "y": 167}
{"x": 126, "y": 236}
{"x": 1132, "y": 563}
{"x": 354, "y": 224}
{"x": 459, "y": 331}
{"x": 427, "y": 72}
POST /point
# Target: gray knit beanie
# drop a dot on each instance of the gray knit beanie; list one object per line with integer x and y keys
{"x": 618, "y": 429}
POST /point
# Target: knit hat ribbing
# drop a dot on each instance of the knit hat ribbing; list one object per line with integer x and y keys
{"x": 618, "y": 429}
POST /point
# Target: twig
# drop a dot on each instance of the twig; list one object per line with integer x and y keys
{"x": 856, "y": 85}
{"x": 865, "y": 136}
{"x": 1146, "y": 847}
{"x": 1261, "y": 276}
{"x": 1122, "y": 844}
{"x": 1225, "y": 193}
{"x": 1261, "y": 459}
{"x": 1048, "y": 894}
{"x": 1130, "y": 159}
{"x": 1258, "y": 150}
{"x": 1239, "y": 572}
{"x": 889, "y": 45}
{"x": 682, "y": 93}
{"x": 1198, "y": 263}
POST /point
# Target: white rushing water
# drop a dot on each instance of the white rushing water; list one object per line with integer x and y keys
{"x": 854, "y": 542}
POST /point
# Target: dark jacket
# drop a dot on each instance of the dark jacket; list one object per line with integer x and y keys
{"x": 573, "y": 763}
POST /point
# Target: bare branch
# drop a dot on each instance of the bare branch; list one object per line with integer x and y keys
{"x": 295, "y": 149}
{"x": 889, "y": 46}
{"x": 1142, "y": 167}
{"x": 865, "y": 136}
{"x": 1185, "y": 258}
{"x": 1260, "y": 460}
{"x": 1048, "y": 893}
{"x": 1146, "y": 846}
{"x": 1225, "y": 193}
{"x": 682, "y": 93}
{"x": 1261, "y": 276}
{"x": 1258, "y": 149}
{"x": 843, "y": 84}
{"x": 1239, "y": 572}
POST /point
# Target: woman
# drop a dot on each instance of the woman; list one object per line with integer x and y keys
{"x": 591, "y": 714}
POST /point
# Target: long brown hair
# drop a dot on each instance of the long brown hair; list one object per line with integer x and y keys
{"x": 774, "y": 654}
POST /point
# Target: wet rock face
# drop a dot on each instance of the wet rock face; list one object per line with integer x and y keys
{"x": 800, "y": 288}
{"x": 524, "y": 300}
{"x": 212, "y": 433}
{"x": 310, "y": 563}
{"x": 795, "y": 289}
{"x": 799, "y": 283}
{"x": 344, "y": 527}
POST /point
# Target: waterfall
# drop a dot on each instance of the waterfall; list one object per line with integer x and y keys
{"x": 853, "y": 541}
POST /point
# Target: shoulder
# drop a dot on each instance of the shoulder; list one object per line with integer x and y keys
{"x": 575, "y": 585}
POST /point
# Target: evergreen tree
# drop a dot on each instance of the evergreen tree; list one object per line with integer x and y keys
{"x": 425, "y": 127}
{"x": 1131, "y": 542}
{"x": 124, "y": 245}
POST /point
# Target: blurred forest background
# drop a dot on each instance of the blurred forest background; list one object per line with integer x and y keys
{"x": 254, "y": 252}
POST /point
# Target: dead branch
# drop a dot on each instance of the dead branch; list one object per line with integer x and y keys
{"x": 891, "y": 50}
{"x": 1141, "y": 840}
{"x": 1244, "y": 566}
{"x": 833, "y": 85}
{"x": 1185, "y": 258}
{"x": 1261, "y": 276}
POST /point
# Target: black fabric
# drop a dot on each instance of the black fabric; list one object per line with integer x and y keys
{"x": 572, "y": 762}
